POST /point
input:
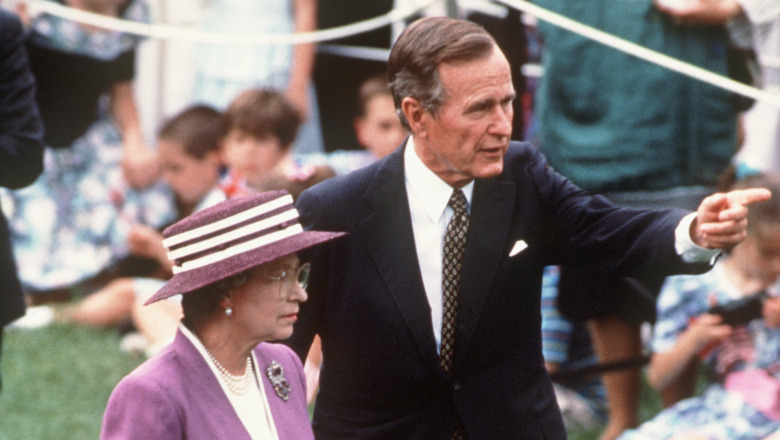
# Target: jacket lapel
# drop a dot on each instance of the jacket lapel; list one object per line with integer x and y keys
{"x": 387, "y": 232}
{"x": 209, "y": 391}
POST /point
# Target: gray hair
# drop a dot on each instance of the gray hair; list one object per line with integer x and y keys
{"x": 421, "y": 48}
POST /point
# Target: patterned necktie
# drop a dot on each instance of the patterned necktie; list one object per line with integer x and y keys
{"x": 454, "y": 245}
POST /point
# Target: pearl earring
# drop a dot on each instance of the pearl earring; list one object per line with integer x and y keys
{"x": 228, "y": 311}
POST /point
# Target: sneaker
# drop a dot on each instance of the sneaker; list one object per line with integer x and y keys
{"x": 36, "y": 317}
{"x": 134, "y": 343}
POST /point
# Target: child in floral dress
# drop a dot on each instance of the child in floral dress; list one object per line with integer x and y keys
{"x": 743, "y": 359}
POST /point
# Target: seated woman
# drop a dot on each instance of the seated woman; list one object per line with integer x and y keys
{"x": 242, "y": 282}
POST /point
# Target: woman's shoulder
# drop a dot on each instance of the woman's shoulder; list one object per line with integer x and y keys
{"x": 281, "y": 353}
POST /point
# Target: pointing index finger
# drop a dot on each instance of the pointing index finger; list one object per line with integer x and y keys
{"x": 748, "y": 196}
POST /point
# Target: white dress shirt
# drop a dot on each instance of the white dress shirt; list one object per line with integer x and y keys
{"x": 428, "y": 197}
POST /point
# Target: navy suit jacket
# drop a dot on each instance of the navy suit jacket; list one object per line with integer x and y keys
{"x": 381, "y": 377}
{"x": 21, "y": 147}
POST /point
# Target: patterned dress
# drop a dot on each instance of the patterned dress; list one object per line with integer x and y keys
{"x": 716, "y": 413}
{"x": 72, "y": 222}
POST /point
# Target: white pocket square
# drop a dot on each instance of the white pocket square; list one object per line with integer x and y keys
{"x": 519, "y": 246}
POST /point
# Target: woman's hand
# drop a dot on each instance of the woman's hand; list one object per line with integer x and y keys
{"x": 139, "y": 164}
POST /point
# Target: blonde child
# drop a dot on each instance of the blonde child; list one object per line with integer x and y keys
{"x": 376, "y": 125}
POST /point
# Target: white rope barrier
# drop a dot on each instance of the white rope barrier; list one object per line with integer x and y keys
{"x": 188, "y": 34}
{"x": 644, "y": 53}
{"x": 359, "y": 52}
{"x": 191, "y": 35}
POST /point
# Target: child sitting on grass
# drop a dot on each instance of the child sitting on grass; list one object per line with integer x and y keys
{"x": 260, "y": 126}
{"x": 742, "y": 356}
{"x": 188, "y": 152}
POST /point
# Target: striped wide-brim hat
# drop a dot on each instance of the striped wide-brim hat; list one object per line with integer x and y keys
{"x": 231, "y": 237}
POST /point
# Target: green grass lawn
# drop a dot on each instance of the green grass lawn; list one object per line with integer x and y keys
{"x": 56, "y": 382}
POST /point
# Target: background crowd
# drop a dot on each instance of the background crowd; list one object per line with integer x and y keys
{"x": 139, "y": 133}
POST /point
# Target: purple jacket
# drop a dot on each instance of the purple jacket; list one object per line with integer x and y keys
{"x": 174, "y": 395}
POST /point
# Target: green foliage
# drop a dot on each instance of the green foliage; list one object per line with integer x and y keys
{"x": 56, "y": 381}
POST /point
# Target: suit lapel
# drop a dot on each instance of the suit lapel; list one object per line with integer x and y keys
{"x": 491, "y": 217}
{"x": 387, "y": 232}
{"x": 209, "y": 390}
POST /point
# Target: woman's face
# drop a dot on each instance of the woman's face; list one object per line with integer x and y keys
{"x": 266, "y": 306}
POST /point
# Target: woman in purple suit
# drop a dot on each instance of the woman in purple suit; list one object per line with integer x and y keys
{"x": 235, "y": 265}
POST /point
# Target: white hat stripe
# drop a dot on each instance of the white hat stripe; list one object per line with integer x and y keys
{"x": 228, "y": 221}
{"x": 231, "y": 235}
{"x": 239, "y": 249}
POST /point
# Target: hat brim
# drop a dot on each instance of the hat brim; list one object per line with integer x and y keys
{"x": 191, "y": 280}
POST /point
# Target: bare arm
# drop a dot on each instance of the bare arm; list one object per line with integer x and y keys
{"x": 704, "y": 12}
{"x": 139, "y": 162}
{"x": 667, "y": 367}
{"x": 303, "y": 55}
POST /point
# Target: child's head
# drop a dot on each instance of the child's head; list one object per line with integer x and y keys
{"x": 188, "y": 148}
{"x": 759, "y": 253}
{"x": 377, "y": 126}
{"x": 259, "y": 126}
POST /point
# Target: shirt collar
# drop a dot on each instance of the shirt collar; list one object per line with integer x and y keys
{"x": 433, "y": 192}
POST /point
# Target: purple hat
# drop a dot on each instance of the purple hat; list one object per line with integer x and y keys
{"x": 231, "y": 237}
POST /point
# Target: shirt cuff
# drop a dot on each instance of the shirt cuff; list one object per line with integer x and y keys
{"x": 689, "y": 251}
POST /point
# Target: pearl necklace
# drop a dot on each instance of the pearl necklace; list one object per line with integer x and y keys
{"x": 238, "y": 385}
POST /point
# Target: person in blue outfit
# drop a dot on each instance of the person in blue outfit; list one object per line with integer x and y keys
{"x": 21, "y": 150}
{"x": 568, "y": 352}
{"x": 393, "y": 366}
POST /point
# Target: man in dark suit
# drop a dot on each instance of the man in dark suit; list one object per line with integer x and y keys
{"x": 21, "y": 150}
{"x": 395, "y": 366}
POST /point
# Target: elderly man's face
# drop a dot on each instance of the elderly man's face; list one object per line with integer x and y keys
{"x": 469, "y": 136}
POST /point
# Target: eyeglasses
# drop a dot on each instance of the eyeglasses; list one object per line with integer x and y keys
{"x": 289, "y": 276}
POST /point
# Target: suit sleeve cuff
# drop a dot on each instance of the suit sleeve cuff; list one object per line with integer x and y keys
{"x": 689, "y": 251}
